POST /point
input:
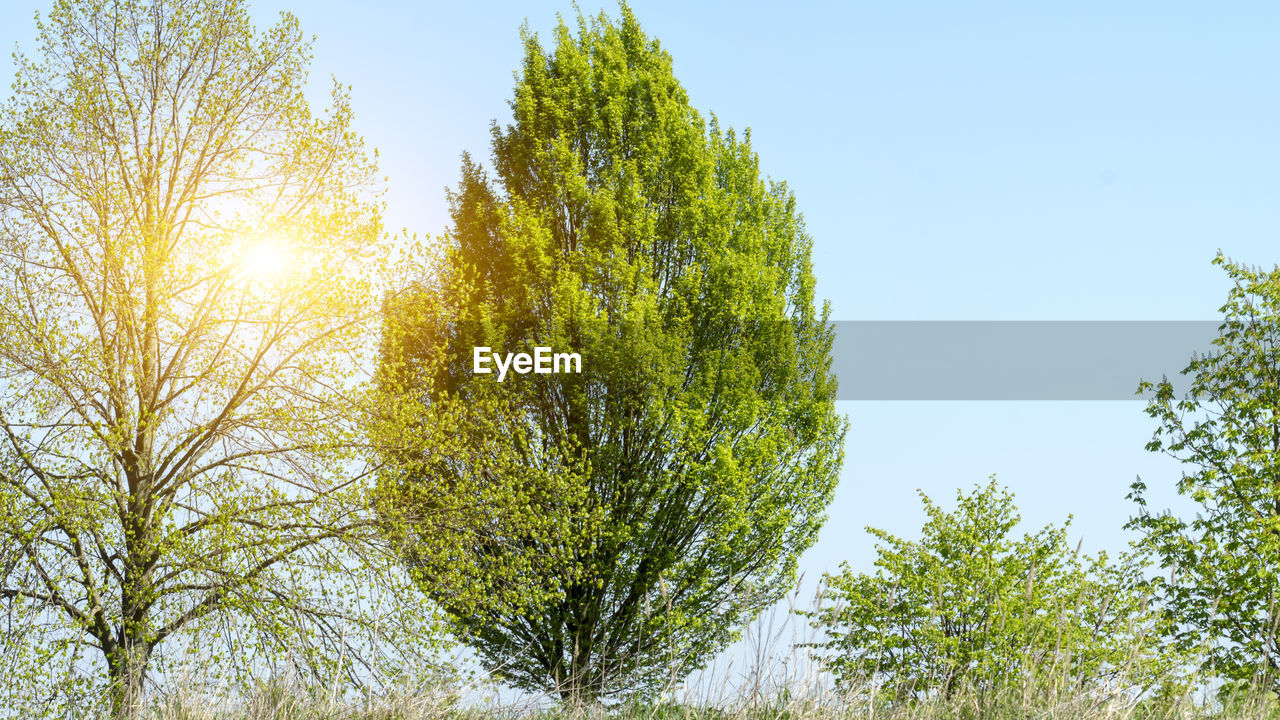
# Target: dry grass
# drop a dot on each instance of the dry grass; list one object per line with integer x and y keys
{"x": 305, "y": 706}
{"x": 771, "y": 678}
{"x": 774, "y": 679}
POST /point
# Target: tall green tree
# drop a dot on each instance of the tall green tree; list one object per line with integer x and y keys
{"x": 698, "y": 448}
{"x": 1222, "y": 584}
{"x": 180, "y": 466}
{"x": 971, "y": 610}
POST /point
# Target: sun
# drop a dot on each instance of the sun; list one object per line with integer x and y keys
{"x": 266, "y": 262}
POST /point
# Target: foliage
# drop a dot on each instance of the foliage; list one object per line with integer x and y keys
{"x": 180, "y": 467}
{"x": 675, "y": 480}
{"x": 971, "y": 610}
{"x": 1221, "y": 591}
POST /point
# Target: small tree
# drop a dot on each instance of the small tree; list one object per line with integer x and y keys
{"x": 971, "y": 609}
{"x": 184, "y": 291}
{"x": 698, "y": 448}
{"x": 1222, "y": 584}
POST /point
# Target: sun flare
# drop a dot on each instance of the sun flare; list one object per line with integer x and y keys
{"x": 266, "y": 262}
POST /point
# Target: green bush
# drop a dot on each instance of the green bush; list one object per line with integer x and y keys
{"x": 970, "y": 609}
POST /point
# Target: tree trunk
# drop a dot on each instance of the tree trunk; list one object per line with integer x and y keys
{"x": 127, "y": 668}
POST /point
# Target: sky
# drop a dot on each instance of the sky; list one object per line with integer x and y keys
{"x": 998, "y": 161}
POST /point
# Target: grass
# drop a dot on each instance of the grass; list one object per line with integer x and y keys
{"x": 775, "y": 680}
{"x": 304, "y": 705}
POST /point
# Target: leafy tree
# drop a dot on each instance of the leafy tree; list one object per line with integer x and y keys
{"x": 179, "y": 465}
{"x": 1221, "y": 592}
{"x": 971, "y": 609}
{"x": 697, "y": 449}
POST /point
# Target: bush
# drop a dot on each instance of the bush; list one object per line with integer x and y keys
{"x": 971, "y": 609}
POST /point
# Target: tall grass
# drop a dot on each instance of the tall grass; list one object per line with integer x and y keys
{"x": 770, "y": 677}
{"x": 280, "y": 703}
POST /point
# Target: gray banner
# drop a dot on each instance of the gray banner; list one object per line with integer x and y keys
{"x": 1012, "y": 360}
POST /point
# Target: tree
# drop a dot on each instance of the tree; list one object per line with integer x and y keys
{"x": 971, "y": 610}
{"x": 1221, "y": 592}
{"x": 176, "y": 360}
{"x": 699, "y": 446}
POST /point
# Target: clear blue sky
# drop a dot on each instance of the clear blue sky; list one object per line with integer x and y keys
{"x": 1006, "y": 160}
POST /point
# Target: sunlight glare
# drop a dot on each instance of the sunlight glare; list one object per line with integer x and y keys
{"x": 266, "y": 261}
